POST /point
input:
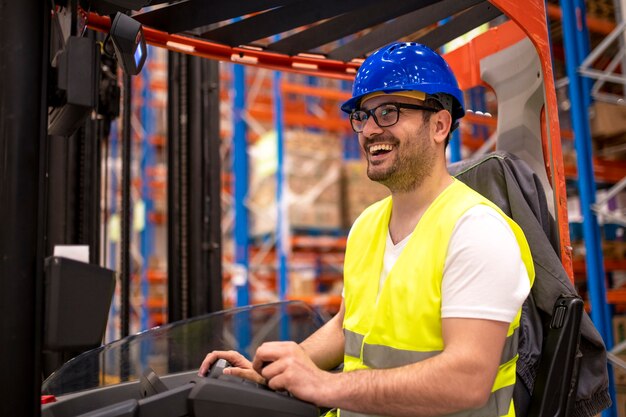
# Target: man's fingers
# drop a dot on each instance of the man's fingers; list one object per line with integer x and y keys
{"x": 235, "y": 358}
{"x": 246, "y": 374}
{"x": 259, "y": 362}
{"x": 206, "y": 364}
{"x": 267, "y": 353}
{"x": 277, "y": 383}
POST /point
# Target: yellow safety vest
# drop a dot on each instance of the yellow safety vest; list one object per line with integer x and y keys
{"x": 404, "y": 325}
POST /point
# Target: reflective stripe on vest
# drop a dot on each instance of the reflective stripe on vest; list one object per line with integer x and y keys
{"x": 383, "y": 357}
{"x": 498, "y": 404}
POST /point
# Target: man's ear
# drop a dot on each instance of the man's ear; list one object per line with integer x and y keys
{"x": 441, "y": 124}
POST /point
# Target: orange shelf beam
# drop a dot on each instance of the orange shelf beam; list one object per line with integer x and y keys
{"x": 326, "y": 243}
{"x": 319, "y": 300}
{"x": 610, "y": 171}
{"x": 156, "y": 276}
{"x": 609, "y": 265}
{"x": 157, "y": 217}
{"x": 333, "y": 123}
{"x": 616, "y": 296}
{"x": 327, "y": 93}
{"x": 154, "y": 303}
{"x": 600, "y": 26}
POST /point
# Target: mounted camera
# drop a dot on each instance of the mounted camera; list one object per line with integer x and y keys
{"x": 130, "y": 45}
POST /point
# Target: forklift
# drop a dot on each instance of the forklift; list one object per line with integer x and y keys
{"x": 68, "y": 53}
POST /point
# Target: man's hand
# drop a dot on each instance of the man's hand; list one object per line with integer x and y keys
{"x": 241, "y": 367}
{"x": 286, "y": 366}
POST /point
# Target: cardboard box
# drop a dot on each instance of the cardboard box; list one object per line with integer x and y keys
{"x": 320, "y": 216}
{"x": 611, "y": 148}
{"x": 312, "y": 172}
{"x": 619, "y": 335}
{"x": 302, "y": 280}
{"x": 359, "y": 191}
{"x": 607, "y": 120}
{"x": 620, "y": 401}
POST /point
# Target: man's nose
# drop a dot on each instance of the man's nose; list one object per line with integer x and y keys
{"x": 371, "y": 127}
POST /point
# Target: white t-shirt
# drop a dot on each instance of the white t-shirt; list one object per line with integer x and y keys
{"x": 479, "y": 273}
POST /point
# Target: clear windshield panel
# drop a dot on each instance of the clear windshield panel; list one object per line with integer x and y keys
{"x": 181, "y": 346}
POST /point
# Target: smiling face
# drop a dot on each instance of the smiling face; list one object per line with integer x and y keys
{"x": 401, "y": 156}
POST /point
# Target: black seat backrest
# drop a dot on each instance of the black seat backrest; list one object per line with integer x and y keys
{"x": 508, "y": 182}
{"x": 557, "y": 377}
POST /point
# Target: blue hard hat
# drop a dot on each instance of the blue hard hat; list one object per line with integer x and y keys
{"x": 406, "y": 66}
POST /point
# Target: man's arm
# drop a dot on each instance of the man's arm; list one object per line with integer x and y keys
{"x": 325, "y": 347}
{"x": 459, "y": 378}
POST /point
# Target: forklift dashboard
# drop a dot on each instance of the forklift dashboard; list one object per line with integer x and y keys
{"x": 119, "y": 379}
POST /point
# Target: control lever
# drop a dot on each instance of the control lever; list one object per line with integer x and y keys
{"x": 217, "y": 369}
{"x": 150, "y": 383}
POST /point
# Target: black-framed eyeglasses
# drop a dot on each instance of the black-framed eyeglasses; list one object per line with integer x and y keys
{"x": 385, "y": 115}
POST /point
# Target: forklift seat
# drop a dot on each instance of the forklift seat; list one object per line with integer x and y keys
{"x": 562, "y": 365}
{"x": 557, "y": 376}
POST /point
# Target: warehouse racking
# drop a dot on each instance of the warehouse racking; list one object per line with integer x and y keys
{"x": 272, "y": 281}
{"x": 245, "y": 114}
{"x": 344, "y": 70}
{"x": 474, "y": 141}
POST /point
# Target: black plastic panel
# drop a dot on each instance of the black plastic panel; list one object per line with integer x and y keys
{"x": 78, "y": 297}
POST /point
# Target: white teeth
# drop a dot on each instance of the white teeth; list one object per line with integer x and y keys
{"x": 380, "y": 147}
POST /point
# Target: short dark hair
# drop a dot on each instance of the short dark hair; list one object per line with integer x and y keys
{"x": 435, "y": 104}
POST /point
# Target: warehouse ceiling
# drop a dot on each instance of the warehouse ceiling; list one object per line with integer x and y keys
{"x": 338, "y": 30}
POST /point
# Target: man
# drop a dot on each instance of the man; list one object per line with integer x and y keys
{"x": 434, "y": 275}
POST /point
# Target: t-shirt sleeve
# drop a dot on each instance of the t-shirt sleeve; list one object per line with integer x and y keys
{"x": 484, "y": 275}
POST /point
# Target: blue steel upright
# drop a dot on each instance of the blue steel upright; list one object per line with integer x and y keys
{"x": 282, "y": 232}
{"x": 147, "y": 161}
{"x": 455, "y": 146}
{"x": 576, "y": 46}
{"x": 283, "y": 235}
{"x": 580, "y": 100}
{"x": 240, "y": 184}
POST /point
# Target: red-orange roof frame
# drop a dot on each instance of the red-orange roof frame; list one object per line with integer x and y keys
{"x": 530, "y": 19}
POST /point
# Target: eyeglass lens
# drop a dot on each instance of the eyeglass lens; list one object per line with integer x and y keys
{"x": 384, "y": 115}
